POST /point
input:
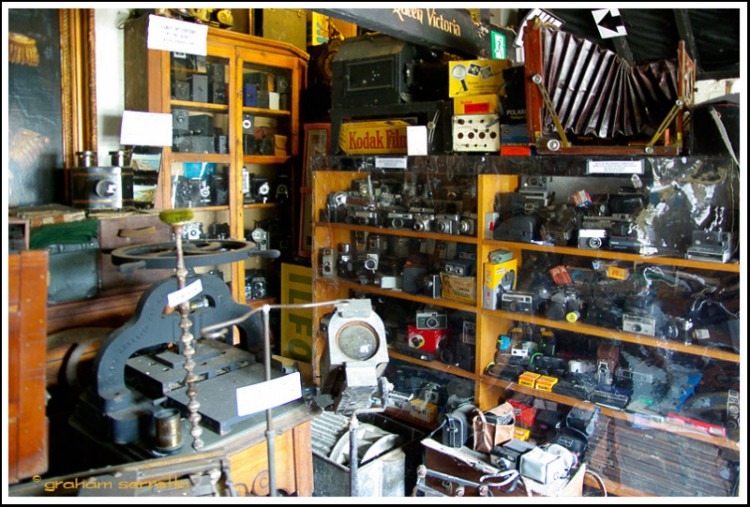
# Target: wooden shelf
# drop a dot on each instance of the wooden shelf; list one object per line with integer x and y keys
{"x": 433, "y": 365}
{"x": 399, "y": 232}
{"x": 202, "y": 106}
{"x": 216, "y": 158}
{"x": 614, "y": 334}
{"x": 729, "y": 267}
{"x": 447, "y": 303}
{"x": 266, "y": 112}
{"x": 643, "y": 421}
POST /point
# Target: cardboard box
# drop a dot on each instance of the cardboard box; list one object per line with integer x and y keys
{"x": 545, "y": 383}
{"x": 476, "y": 104}
{"x": 459, "y": 288}
{"x": 476, "y": 77}
{"x": 528, "y": 378}
{"x": 496, "y": 275}
{"x": 279, "y": 145}
{"x": 374, "y": 137}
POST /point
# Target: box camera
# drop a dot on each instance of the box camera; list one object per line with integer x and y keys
{"x": 329, "y": 262}
{"x": 447, "y": 224}
{"x": 431, "y": 320}
{"x": 255, "y": 284}
{"x": 425, "y": 340}
{"x": 400, "y": 220}
{"x": 413, "y": 278}
{"x": 592, "y": 239}
{"x": 219, "y": 231}
{"x": 639, "y": 324}
{"x": 192, "y": 231}
{"x": 259, "y": 236}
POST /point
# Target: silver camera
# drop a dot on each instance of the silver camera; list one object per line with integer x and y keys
{"x": 467, "y": 226}
{"x": 447, "y": 224}
{"x": 192, "y": 230}
{"x": 423, "y": 222}
{"x": 363, "y": 217}
{"x": 260, "y": 238}
{"x": 592, "y": 239}
{"x": 533, "y": 184}
{"x": 329, "y": 262}
{"x": 371, "y": 261}
{"x": 400, "y": 220}
{"x": 431, "y": 320}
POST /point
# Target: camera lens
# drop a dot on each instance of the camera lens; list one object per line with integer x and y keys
{"x": 432, "y": 322}
{"x": 595, "y": 242}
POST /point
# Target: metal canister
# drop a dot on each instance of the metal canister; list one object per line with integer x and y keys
{"x": 87, "y": 158}
{"x": 105, "y": 188}
{"x": 121, "y": 158}
{"x": 168, "y": 430}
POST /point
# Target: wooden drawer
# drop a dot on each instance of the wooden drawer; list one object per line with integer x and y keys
{"x": 120, "y": 231}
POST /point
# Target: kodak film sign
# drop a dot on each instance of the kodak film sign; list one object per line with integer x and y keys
{"x": 374, "y": 137}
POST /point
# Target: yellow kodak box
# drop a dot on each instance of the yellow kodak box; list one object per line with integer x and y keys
{"x": 423, "y": 410}
{"x": 521, "y": 433}
{"x": 459, "y": 288}
{"x": 495, "y": 275}
{"x": 545, "y": 383}
{"x": 373, "y": 137}
{"x": 476, "y": 104}
{"x": 528, "y": 378}
{"x": 476, "y": 77}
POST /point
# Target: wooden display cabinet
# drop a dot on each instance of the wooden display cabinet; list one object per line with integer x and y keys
{"x": 235, "y": 113}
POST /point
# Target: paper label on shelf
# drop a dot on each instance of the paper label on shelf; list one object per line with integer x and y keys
{"x": 614, "y": 167}
{"x": 175, "y": 35}
{"x": 146, "y": 129}
{"x": 390, "y": 163}
{"x": 185, "y": 294}
{"x": 269, "y": 394}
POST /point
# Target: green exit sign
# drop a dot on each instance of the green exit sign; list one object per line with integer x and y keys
{"x": 499, "y": 51}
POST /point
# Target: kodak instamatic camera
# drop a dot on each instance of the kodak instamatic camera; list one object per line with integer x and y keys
{"x": 425, "y": 340}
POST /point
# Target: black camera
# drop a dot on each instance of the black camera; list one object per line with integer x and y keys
{"x": 564, "y": 305}
{"x": 519, "y": 301}
{"x": 363, "y": 217}
{"x": 433, "y": 286}
{"x": 219, "y": 231}
{"x": 187, "y": 192}
{"x": 255, "y": 284}
{"x": 460, "y": 267}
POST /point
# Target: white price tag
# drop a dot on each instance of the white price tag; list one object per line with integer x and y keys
{"x": 185, "y": 294}
{"x": 390, "y": 162}
{"x": 139, "y": 128}
{"x": 614, "y": 167}
{"x": 269, "y": 394}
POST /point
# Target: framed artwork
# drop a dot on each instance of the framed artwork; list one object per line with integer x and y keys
{"x": 317, "y": 141}
{"x": 51, "y": 100}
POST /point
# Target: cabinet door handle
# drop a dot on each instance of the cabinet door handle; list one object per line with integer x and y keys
{"x": 137, "y": 233}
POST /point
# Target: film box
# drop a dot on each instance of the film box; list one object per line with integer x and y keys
{"x": 545, "y": 383}
{"x": 528, "y": 378}
{"x": 476, "y": 77}
{"x": 476, "y": 104}
{"x": 494, "y": 273}
{"x": 459, "y": 288}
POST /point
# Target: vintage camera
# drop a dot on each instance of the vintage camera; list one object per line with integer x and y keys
{"x": 467, "y": 226}
{"x": 219, "y": 231}
{"x": 432, "y": 320}
{"x": 371, "y": 261}
{"x": 640, "y": 324}
{"x": 261, "y": 189}
{"x": 433, "y": 286}
{"x": 429, "y": 341}
{"x": 363, "y": 216}
{"x": 447, "y": 224}
{"x": 460, "y": 267}
{"x": 187, "y": 192}
{"x": 710, "y": 246}
{"x": 533, "y": 183}
{"x": 423, "y": 221}
{"x": 413, "y": 278}
{"x": 592, "y": 239}
{"x": 260, "y": 237}
{"x": 389, "y": 282}
{"x": 400, "y": 220}
{"x": 564, "y": 305}
{"x": 192, "y": 231}
{"x": 519, "y": 228}
{"x": 345, "y": 263}
{"x": 255, "y": 284}
{"x": 518, "y": 301}
{"x": 329, "y": 262}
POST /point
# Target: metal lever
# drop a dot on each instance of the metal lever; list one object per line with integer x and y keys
{"x": 679, "y": 103}
{"x": 537, "y": 79}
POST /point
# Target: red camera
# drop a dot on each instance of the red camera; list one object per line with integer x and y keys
{"x": 426, "y": 340}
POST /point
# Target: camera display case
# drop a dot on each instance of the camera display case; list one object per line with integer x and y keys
{"x": 609, "y": 310}
{"x": 235, "y": 118}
